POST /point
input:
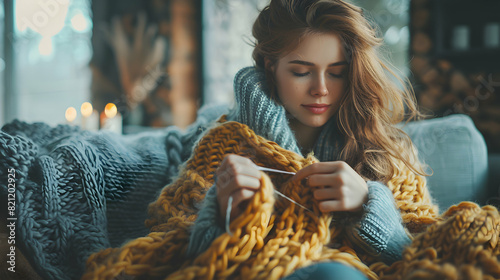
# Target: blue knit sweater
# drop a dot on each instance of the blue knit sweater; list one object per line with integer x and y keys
{"x": 379, "y": 231}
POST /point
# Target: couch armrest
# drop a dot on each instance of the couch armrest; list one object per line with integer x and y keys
{"x": 456, "y": 151}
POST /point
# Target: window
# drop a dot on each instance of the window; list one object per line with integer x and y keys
{"x": 227, "y": 38}
{"x": 391, "y": 18}
{"x": 51, "y": 43}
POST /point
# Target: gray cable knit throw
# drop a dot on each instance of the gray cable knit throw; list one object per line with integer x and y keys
{"x": 79, "y": 192}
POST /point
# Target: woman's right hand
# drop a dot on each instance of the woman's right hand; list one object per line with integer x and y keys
{"x": 238, "y": 177}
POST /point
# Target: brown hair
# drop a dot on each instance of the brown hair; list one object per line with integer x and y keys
{"x": 372, "y": 104}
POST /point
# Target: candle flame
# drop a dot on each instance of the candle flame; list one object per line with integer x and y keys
{"x": 110, "y": 110}
{"x": 70, "y": 114}
{"x": 86, "y": 109}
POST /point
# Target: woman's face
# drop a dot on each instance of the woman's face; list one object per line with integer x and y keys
{"x": 310, "y": 79}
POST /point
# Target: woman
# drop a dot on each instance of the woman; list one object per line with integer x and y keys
{"x": 326, "y": 91}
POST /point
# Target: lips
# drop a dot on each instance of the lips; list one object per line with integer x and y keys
{"x": 316, "y": 108}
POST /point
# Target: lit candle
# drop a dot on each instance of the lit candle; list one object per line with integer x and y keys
{"x": 90, "y": 117}
{"x": 70, "y": 115}
{"x": 111, "y": 119}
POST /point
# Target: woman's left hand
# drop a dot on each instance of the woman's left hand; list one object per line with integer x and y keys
{"x": 344, "y": 189}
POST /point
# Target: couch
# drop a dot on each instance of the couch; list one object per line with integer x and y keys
{"x": 456, "y": 153}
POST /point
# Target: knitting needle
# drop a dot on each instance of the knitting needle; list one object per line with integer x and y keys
{"x": 291, "y": 200}
{"x": 274, "y": 170}
{"x": 228, "y": 215}
{"x": 261, "y": 168}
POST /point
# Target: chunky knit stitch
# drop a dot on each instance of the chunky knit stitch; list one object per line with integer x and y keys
{"x": 79, "y": 192}
{"x": 464, "y": 244}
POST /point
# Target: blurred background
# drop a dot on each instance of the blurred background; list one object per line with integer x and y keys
{"x": 132, "y": 65}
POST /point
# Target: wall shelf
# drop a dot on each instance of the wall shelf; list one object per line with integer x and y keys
{"x": 467, "y": 34}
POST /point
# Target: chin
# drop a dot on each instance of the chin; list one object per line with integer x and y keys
{"x": 316, "y": 123}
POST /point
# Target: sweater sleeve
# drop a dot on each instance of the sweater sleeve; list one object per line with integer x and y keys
{"x": 207, "y": 226}
{"x": 380, "y": 231}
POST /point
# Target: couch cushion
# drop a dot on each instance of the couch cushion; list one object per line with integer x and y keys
{"x": 456, "y": 152}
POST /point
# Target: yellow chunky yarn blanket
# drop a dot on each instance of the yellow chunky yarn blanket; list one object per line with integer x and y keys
{"x": 274, "y": 237}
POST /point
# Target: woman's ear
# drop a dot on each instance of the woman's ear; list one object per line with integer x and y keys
{"x": 268, "y": 64}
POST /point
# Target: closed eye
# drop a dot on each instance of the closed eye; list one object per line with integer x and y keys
{"x": 299, "y": 74}
{"x": 336, "y": 76}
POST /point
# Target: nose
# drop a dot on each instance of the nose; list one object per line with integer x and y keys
{"x": 319, "y": 87}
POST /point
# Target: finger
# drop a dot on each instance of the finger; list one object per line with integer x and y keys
{"x": 240, "y": 165}
{"x": 327, "y": 194}
{"x": 317, "y": 180}
{"x": 244, "y": 181}
{"x": 319, "y": 168}
{"x": 225, "y": 187}
{"x": 235, "y": 176}
{"x": 239, "y": 159}
{"x": 331, "y": 206}
{"x": 223, "y": 178}
{"x": 241, "y": 195}
{"x": 253, "y": 172}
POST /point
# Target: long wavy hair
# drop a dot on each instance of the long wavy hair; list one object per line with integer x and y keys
{"x": 373, "y": 103}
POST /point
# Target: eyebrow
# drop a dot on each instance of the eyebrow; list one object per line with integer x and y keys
{"x": 307, "y": 63}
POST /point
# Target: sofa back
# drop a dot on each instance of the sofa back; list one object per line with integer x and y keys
{"x": 456, "y": 152}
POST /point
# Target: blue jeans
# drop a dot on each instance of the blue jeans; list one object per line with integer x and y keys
{"x": 327, "y": 270}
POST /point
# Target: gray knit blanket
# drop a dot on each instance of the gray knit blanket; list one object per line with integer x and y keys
{"x": 78, "y": 192}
